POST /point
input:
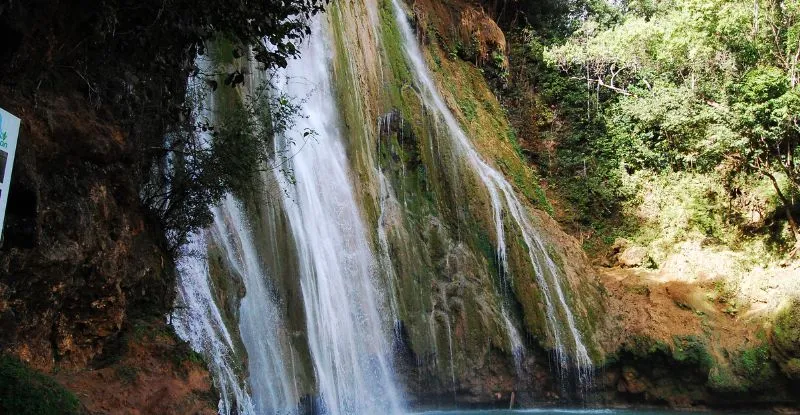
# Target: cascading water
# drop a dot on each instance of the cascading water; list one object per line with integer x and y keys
{"x": 504, "y": 199}
{"x": 338, "y": 276}
{"x": 346, "y": 331}
{"x": 198, "y": 320}
{"x": 517, "y": 348}
{"x": 260, "y": 326}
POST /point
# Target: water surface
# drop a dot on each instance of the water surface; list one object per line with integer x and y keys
{"x": 562, "y": 411}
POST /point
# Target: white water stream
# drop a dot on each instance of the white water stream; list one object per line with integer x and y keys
{"x": 504, "y": 199}
{"x": 348, "y": 326}
{"x": 198, "y": 321}
{"x": 260, "y": 325}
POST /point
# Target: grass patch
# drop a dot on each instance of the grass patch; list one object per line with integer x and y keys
{"x": 468, "y": 108}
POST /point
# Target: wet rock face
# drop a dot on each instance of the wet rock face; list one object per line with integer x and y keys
{"x": 77, "y": 252}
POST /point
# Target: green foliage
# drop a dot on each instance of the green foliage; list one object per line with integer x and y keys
{"x": 24, "y": 391}
{"x": 219, "y": 154}
{"x": 687, "y": 91}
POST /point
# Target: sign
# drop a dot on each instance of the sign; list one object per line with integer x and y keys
{"x": 9, "y": 130}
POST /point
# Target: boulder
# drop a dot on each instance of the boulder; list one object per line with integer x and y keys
{"x": 633, "y": 256}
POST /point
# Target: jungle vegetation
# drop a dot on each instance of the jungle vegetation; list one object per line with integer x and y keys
{"x": 668, "y": 119}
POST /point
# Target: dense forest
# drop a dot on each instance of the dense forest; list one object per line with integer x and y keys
{"x": 667, "y": 121}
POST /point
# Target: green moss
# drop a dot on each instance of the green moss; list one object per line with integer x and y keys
{"x": 755, "y": 366}
{"x": 393, "y": 50}
{"x": 468, "y": 108}
{"x": 352, "y": 106}
{"x": 558, "y": 259}
{"x": 24, "y": 391}
{"x": 486, "y": 246}
{"x": 786, "y": 339}
{"x": 512, "y": 137}
{"x": 721, "y": 379}
{"x": 692, "y": 350}
{"x": 644, "y": 346}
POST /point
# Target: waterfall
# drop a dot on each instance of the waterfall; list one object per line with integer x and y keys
{"x": 198, "y": 320}
{"x": 349, "y": 292}
{"x": 504, "y": 200}
{"x": 260, "y": 324}
{"x": 339, "y": 276}
{"x": 347, "y": 324}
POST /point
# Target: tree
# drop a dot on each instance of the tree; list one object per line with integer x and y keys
{"x": 695, "y": 84}
{"x": 766, "y": 110}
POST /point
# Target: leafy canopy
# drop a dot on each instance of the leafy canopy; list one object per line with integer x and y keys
{"x": 695, "y": 85}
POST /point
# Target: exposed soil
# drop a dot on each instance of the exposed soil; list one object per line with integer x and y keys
{"x": 642, "y": 302}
